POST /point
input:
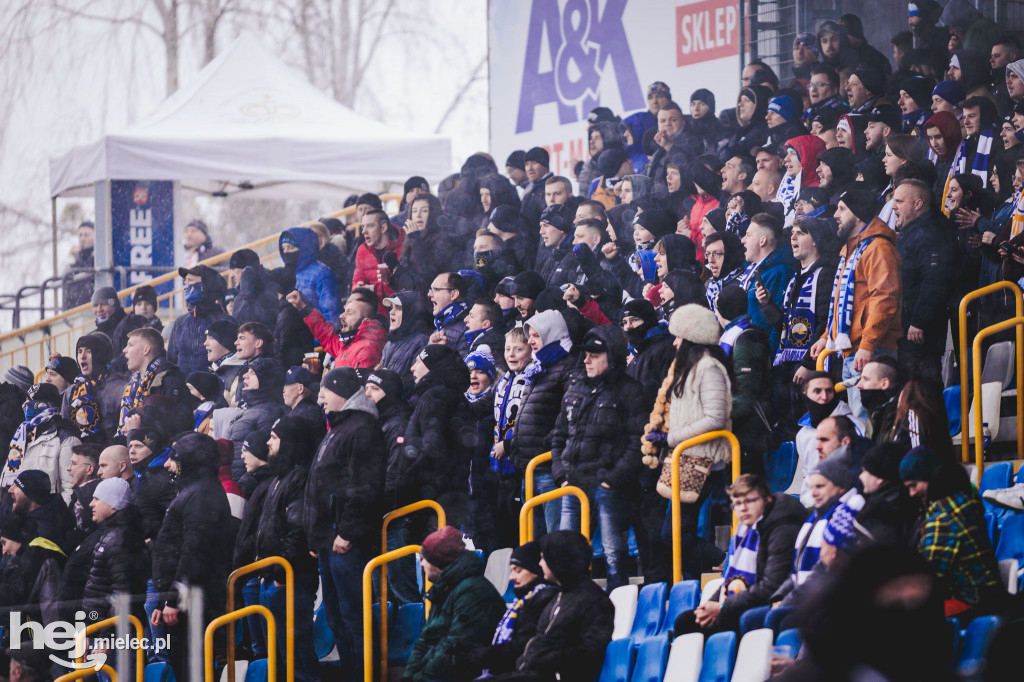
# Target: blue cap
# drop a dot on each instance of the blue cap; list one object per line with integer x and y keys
{"x": 483, "y": 362}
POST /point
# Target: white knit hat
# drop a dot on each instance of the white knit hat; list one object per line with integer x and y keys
{"x": 696, "y": 324}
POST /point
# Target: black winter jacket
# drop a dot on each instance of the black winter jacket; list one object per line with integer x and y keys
{"x": 119, "y": 562}
{"x": 292, "y": 338}
{"x": 185, "y": 348}
{"x": 345, "y": 492}
{"x": 926, "y": 252}
{"x": 256, "y": 300}
{"x": 245, "y": 540}
{"x": 310, "y": 412}
{"x": 11, "y": 415}
{"x": 279, "y": 531}
{"x": 393, "y": 417}
{"x": 539, "y": 411}
{"x": 156, "y": 492}
{"x": 30, "y": 582}
{"x": 425, "y": 255}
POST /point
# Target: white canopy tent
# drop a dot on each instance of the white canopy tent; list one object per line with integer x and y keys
{"x": 249, "y": 123}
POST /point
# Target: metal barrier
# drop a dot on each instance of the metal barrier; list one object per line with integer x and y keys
{"x": 528, "y": 478}
{"x": 677, "y": 530}
{"x": 526, "y": 513}
{"x": 140, "y": 655}
{"x": 388, "y": 518}
{"x": 965, "y": 448}
{"x": 289, "y": 618}
{"x": 88, "y": 672}
{"x": 820, "y": 366}
{"x": 368, "y": 611}
{"x": 979, "y": 441}
{"x": 230, "y": 618}
{"x": 64, "y": 341}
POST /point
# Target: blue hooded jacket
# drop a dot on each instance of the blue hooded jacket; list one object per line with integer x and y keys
{"x": 313, "y": 279}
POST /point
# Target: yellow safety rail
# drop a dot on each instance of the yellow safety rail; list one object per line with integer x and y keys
{"x": 289, "y": 613}
{"x": 368, "y": 609}
{"x": 979, "y": 445}
{"x": 526, "y": 513}
{"x": 229, "y": 618}
{"x": 677, "y": 523}
{"x": 965, "y": 448}
{"x": 140, "y": 659}
{"x": 64, "y": 341}
{"x": 87, "y": 672}
{"x": 388, "y": 518}
{"x": 528, "y": 481}
{"x": 820, "y": 366}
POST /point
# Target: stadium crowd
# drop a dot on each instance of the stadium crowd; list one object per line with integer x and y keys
{"x": 689, "y": 285}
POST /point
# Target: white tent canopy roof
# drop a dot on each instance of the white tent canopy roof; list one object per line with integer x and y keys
{"x": 247, "y": 117}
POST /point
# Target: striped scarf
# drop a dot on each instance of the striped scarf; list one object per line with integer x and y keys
{"x": 732, "y": 334}
{"x": 508, "y": 400}
{"x": 789, "y": 191}
{"x": 137, "y": 390}
{"x": 799, "y": 325}
{"x": 842, "y": 289}
{"x": 1017, "y": 221}
{"x": 26, "y": 432}
{"x": 808, "y": 540}
{"x": 714, "y": 286}
{"x": 747, "y": 279}
{"x": 85, "y": 406}
{"x": 743, "y": 555}
{"x": 980, "y": 167}
{"x": 507, "y": 624}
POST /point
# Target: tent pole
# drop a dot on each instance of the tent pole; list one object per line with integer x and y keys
{"x": 53, "y": 217}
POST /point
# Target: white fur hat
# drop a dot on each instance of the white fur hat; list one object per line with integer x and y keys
{"x": 696, "y": 324}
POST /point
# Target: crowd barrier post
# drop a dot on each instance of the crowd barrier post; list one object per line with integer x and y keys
{"x": 140, "y": 655}
{"x": 381, "y": 560}
{"x": 526, "y": 513}
{"x": 88, "y": 672}
{"x": 979, "y": 441}
{"x": 231, "y": 617}
{"x": 289, "y": 587}
{"x": 528, "y": 478}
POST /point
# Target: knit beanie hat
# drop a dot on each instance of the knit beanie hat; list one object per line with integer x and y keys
{"x": 706, "y": 96}
{"x": 199, "y": 225}
{"x": 223, "y": 332}
{"x": 256, "y": 443}
{"x": 66, "y": 367}
{"x": 435, "y": 355}
{"x": 609, "y": 161}
{"x": 20, "y": 529}
{"x": 836, "y": 469}
{"x": 369, "y": 199}
{"x": 527, "y": 284}
{"x": 388, "y": 381}
{"x": 716, "y": 217}
{"x": 731, "y": 302}
{"x": 342, "y": 381}
{"x": 641, "y": 308}
{"x": 114, "y": 491}
{"x": 840, "y": 531}
{"x": 920, "y": 464}
{"x": 557, "y": 216}
{"x": 696, "y": 324}
{"x": 517, "y": 160}
{"x": 807, "y": 39}
{"x": 150, "y": 437}
{"x": 537, "y": 155}
{"x": 883, "y": 461}
{"x": 443, "y": 547}
{"x": 551, "y": 298}
{"x": 785, "y": 106}
{"x": 44, "y": 393}
{"x": 861, "y": 201}
{"x": 105, "y": 296}
{"x": 951, "y": 91}
{"x": 870, "y": 78}
{"x": 527, "y": 557}
{"x": 483, "y": 362}
{"x": 35, "y": 484}
{"x": 416, "y": 182}
{"x": 20, "y": 376}
{"x": 145, "y": 293}
{"x": 243, "y": 258}
{"x": 920, "y": 90}
{"x": 506, "y": 219}
{"x": 207, "y": 384}
{"x": 657, "y": 221}
{"x": 284, "y": 278}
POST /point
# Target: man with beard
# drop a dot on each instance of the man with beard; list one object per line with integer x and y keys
{"x": 361, "y": 339}
{"x": 864, "y": 315}
{"x": 823, "y": 91}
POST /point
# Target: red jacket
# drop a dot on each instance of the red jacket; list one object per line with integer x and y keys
{"x": 703, "y": 204}
{"x": 362, "y": 350}
{"x": 366, "y": 266}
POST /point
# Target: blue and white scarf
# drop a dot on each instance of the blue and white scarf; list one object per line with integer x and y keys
{"x": 508, "y": 400}
{"x": 200, "y": 414}
{"x": 714, "y": 286}
{"x": 642, "y": 263}
{"x": 743, "y": 555}
{"x": 732, "y": 333}
{"x": 809, "y": 539}
{"x": 845, "y": 276}
{"x": 19, "y": 442}
{"x": 798, "y": 330}
{"x": 747, "y": 278}
{"x": 981, "y": 157}
{"x": 453, "y": 312}
{"x": 789, "y": 191}
{"x": 507, "y": 624}
{"x": 738, "y": 223}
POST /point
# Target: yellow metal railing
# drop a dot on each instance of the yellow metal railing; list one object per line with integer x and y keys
{"x": 64, "y": 341}
{"x": 88, "y": 672}
{"x": 230, "y": 618}
{"x": 979, "y": 441}
{"x": 1018, "y": 301}
{"x": 820, "y": 366}
{"x": 140, "y": 655}
{"x": 526, "y": 513}
{"x": 368, "y": 608}
{"x": 677, "y": 523}
{"x": 388, "y": 518}
{"x": 289, "y": 617}
{"x": 528, "y": 478}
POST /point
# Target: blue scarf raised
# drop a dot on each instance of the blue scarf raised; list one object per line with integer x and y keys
{"x": 453, "y": 312}
{"x": 845, "y": 277}
{"x": 732, "y": 333}
{"x": 798, "y": 329}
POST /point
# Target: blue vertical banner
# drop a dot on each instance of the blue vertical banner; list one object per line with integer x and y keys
{"x": 142, "y": 230}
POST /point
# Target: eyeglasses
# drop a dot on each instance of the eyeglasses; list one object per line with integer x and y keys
{"x": 814, "y": 85}
{"x": 745, "y": 502}
{"x": 436, "y": 289}
{"x": 714, "y": 254}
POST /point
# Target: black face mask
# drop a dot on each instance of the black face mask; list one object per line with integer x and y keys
{"x": 819, "y": 412}
{"x": 874, "y": 398}
{"x": 291, "y": 258}
{"x": 636, "y": 335}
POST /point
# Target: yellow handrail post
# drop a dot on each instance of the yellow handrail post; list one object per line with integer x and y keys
{"x": 140, "y": 660}
{"x": 289, "y": 592}
{"x": 965, "y": 448}
{"x": 442, "y": 520}
{"x": 368, "y": 609}
{"x": 526, "y": 513}
{"x": 979, "y": 445}
{"x": 677, "y": 523}
{"x": 231, "y": 617}
{"x": 88, "y": 672}
{"x": 820, "y": 366}
{"x": 528, "y": 477}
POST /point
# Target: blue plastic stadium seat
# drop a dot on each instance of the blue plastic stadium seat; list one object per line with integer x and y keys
{"x": 257, "y": 671}
{"x": 996, "y": 475}
{"x": 1019, "y": 477}
{"x": 323, "y": 638}
{"x": 977, "y": 639}
{"x": 159, "y": 672}
{"x": 790, "y": 638}
{"x": 780, "y": 466}
{"x": 651, "y": 659}
{"x": 404, "y": 632}
{"x": 650, "y": 607}
{"x": 684, "y": 596}
{"x": 951, "y": 396}
{"x": 953, "y": 625}
{"x": 1011, "y": 539}
{"x": 719, "y": 657}
{"x": 618, "y": 661}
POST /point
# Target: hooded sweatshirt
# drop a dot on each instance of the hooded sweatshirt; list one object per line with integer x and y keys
{"x": 411, "y": 336}
{"x": 949, "y": 126}
{"x": 185, "y": 347}
{"x": 313, "y": 279}
{"x": 808, "y": 148}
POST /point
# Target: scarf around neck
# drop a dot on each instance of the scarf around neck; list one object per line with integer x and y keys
{"x": 25, "y": 433}
{"x": 841, "y": 305}
{"x": 85, "y": 405}
{"x": 742, "y": 562}
{"x": 137, "y": 389}
{"x": 453, "y": 312}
